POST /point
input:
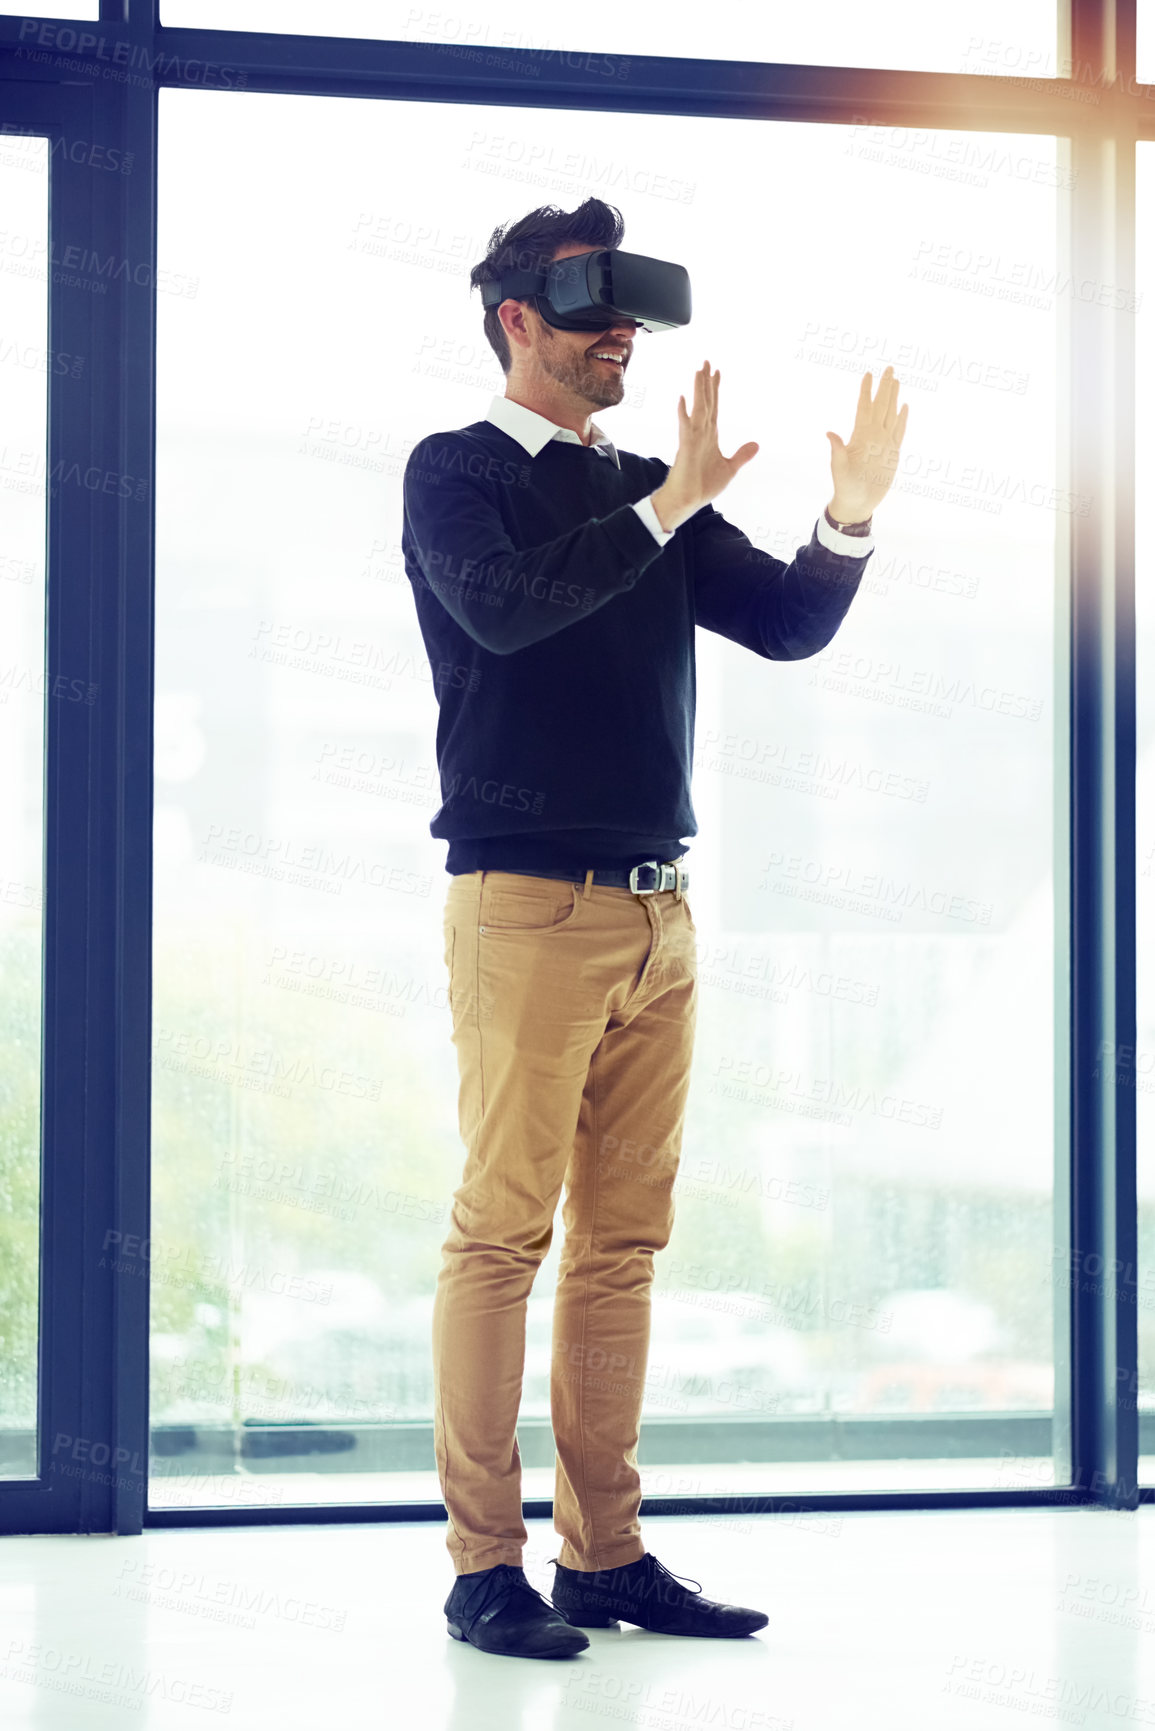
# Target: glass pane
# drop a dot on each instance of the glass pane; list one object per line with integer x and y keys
{"x": 1011, "y": 38}
{"x": 1137, "y": 1070}
{"x": 868, "y": 1151}
{"x": 25, "y": 360}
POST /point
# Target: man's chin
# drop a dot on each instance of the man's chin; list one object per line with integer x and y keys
{"x": 606, "y": 393}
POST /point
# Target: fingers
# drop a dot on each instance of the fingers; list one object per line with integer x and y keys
{"x": 701, "y": 388}
{"x": 879, "y": 410}
{"x": 742, "y": 456}
{"x": 888, "y": 397}
{"x": 705, "y": 406}
{"x": 706, "y": 391}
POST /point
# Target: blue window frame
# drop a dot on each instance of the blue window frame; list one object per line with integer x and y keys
{"x": 99, "y": 82}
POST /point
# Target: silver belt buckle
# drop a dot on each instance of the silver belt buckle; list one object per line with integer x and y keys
{"x": 668, "y": 876}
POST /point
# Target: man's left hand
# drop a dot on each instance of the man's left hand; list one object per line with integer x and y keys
{"x": 864, "y": 469}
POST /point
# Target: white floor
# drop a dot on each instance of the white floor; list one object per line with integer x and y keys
{"x": 908, "y": 1621}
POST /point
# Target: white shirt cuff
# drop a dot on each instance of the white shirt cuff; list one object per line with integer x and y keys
{"x": 645, "y": 510}
{"x": 837, "y": 542}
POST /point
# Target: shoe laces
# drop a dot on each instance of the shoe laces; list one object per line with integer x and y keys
{"x": 658, "y": 1571}
{"x": 497, "y": 1589}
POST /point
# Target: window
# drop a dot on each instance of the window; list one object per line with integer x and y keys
{"x": 27, "y": 687}
{"x": 869, "y": 1148}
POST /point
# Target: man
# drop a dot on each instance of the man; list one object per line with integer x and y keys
{"x": 558, "y": 583}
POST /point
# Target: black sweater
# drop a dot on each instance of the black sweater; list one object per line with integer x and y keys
{"x": 560, "y": 637}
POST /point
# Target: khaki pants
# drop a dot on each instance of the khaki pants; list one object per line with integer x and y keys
{"x": 574, "y": 1010}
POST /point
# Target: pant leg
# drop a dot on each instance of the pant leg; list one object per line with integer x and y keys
{"x": 618, "y": 1212}
{"x": 535, "y": 971}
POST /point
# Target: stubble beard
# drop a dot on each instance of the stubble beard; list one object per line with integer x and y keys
{"x": 580, "y": 374}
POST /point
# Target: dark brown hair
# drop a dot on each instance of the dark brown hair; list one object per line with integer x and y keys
{"x": 534, "y": 241}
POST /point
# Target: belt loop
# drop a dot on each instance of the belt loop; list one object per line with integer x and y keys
{"x": 589, "y": 884}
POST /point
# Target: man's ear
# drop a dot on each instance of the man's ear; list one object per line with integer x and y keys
{"x": 517, "y": 328}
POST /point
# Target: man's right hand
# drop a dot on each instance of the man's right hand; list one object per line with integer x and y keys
{"x": 700, "y": 471}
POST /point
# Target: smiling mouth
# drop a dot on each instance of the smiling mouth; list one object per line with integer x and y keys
{"x": 616, "y": 365}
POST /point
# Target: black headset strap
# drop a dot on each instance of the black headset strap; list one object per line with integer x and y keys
{"x": 514, "y": 285}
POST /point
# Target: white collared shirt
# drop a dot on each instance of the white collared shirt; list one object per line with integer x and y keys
{"x": 532, "y": 431}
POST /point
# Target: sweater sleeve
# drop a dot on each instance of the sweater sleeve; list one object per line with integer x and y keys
{"x": 784, "y": 612}
{"x": 504, "y": 597}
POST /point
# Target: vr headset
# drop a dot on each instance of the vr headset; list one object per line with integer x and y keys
{"x": 588, "y": 291}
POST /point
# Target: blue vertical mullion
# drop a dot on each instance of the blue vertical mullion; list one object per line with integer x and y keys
{"x": 131, "y": 113}
{"x": 93, "y": 1334}
{"x": 54, "y": 1500}
{"x": 1103, "y": 1202}
{"x": 1119, "y": 1377}
{"x": 1122, "y": 1394}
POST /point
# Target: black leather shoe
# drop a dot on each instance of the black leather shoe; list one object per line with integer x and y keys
{"x": 646, "y": 1594}
{"x": 498, "y": 1611}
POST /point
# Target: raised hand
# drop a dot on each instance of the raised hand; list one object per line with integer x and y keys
{"x": 700, "y": 472}
{"x": 864, "y": 469}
